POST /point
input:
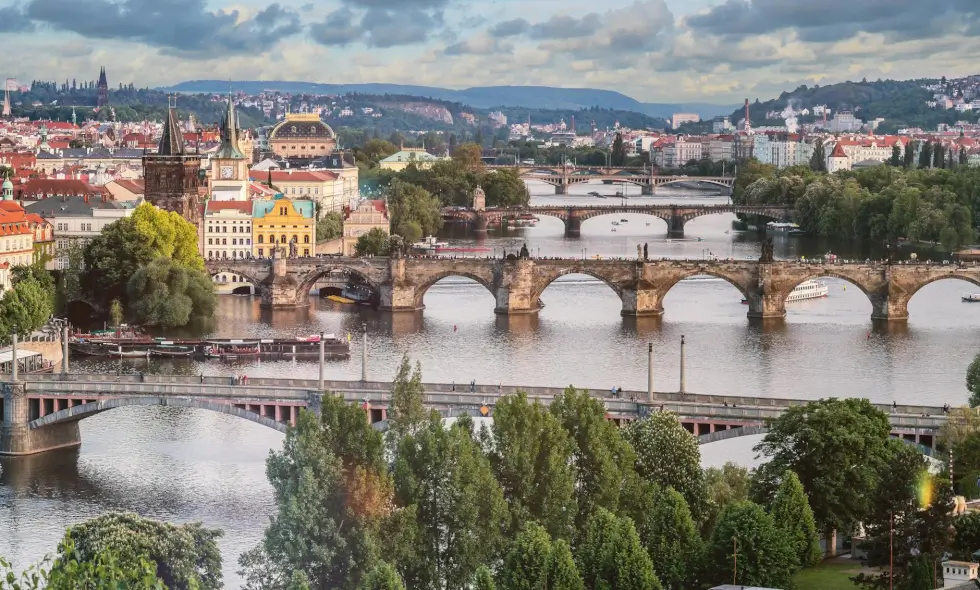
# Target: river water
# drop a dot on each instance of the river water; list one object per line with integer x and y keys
{"x": 184, "y": 465}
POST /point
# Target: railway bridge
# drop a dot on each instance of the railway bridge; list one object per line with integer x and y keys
{"x": 517, "y": 283}
{"x": 563, "y": 176}
{"x": 41, "y": 412}
{"x": 676, "y": 216}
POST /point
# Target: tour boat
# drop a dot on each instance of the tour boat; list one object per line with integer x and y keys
{"x": 357, "y": 293}
{"x": 339, "y": 299}
{"x": 524, "y": 220}
{"x": 428, "y": 246}
{"x": 810, "y": 289}
{"x": 972, "y": 298}
{"x": 171, "y": 351}
{"x": 230, "y": 349}
{"x": 128, "y": 354}
{"x": 624, "y": 220}
{"x": 615, "y": 223}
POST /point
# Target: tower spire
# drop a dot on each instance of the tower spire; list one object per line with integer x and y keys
{"x": 172, "y": 140}
{"x": 229, "y": 135}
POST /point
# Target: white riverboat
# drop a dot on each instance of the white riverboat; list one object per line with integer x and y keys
{"x": 972, "y": 298}
{"x": 810, "y": 289}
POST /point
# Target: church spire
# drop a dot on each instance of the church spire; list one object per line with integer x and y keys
{"x": 172, "y": 140}
{"x": 229, "y": 149}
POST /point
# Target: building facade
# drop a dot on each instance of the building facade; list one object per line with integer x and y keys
{"x": 404, "y": 158}
{"x": 16, "y": 236}
{"x": 285, "y": 224}
{"x": 302, "y": 135}
{"x": 227, "y": 230}
{"x": 76, "y": 220}
{"x": 368, "y": 215}
{"x": 321, "y": 186}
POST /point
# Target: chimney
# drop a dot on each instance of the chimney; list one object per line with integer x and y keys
{"x": 747, "y": 121}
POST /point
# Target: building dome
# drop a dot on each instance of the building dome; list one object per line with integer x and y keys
{"x": 302, "y": 135}
{"x": 7, "y": 188}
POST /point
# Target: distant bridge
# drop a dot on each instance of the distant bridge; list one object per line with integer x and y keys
{"x": 563, "y": 176}
{"x": 41, "y": 412}
{"x": 676, "y": 216}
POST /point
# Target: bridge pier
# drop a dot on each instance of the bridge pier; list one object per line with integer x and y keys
{"x": 480, "y": 225}
{"x": 573, "y": 226}
{"x": 646, "y": 189}
{"x": 515, "y": 294}
{"x": 561, "y": 189}
{"x": 280, "y": 289}
{"x": 675, "y": 226}
{"x": 640, "y": 301}
{"x": 889, "y": 307}
{"x": 17, "y": 438}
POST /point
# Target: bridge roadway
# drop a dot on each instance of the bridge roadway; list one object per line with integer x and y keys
{"x": 41, "y": 412}
{"x": 676, "y": 216}
{"x": 563, "y": 176}
{"x": 517, "y": 284}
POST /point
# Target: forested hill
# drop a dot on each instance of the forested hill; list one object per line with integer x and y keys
{"x": 902, "y": 103}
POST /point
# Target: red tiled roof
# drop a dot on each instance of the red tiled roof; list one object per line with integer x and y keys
{"x": 294, "y": 176}
{"x": 243, "y": 206}
{"x": 134, "y": 186}
{"x": 838, "y": 151}
{"x": 57, "y": 186}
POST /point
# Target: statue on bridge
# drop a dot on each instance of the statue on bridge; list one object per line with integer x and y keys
{"x": 646, "y": 252}
{"x": 524, "y": 255}
{"x": 766, "y": 255}
{"x": 293, "y": 248}
{"x": 396, "y": 246}
{"x": 639, "y": 252}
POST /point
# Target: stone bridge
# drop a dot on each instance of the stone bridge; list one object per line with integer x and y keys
{"x": 41, "y": 412}
{"x": 563, "y": 176}
{"x": 517, "y": 284}
{"x": 676, "y": 216}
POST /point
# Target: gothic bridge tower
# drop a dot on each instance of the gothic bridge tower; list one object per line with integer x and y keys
{"x": 173, "y": 176}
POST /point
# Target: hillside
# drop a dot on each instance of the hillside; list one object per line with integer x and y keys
{"x": 902, "y": 103}
{"x": 484, "y": 97}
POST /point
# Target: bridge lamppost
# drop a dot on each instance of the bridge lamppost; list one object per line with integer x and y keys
{"x": 364, "y": 351}
{"x": 321, "y": 361}
{"x": 13, "y": 352}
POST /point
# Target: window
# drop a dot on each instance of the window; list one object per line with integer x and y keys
{"x": 248, "y": 241}
{"x": 282, "y": 239}
{"x": 234, "y": 242}
{"x": 272, "y": 238}
{"x": 210, "y": 228}
{"x": 234, "y": 229}
{"x": 261, "y": 252}
{"x": 224, "y": 230}
{"x": 306, "y": 251}
{"x": 210, "y": 242}
{"x": 306, "y": 239}
{"x": 260, "y": 238}
{"x": 224, "y": 241}
{"x": 211, "y": 254}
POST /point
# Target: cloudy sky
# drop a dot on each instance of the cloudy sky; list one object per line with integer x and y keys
{"x": 654, "y": 50}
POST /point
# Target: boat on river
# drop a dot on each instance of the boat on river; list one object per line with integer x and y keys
{"x": 810, "y": 289}
{"x": 230, "y": 349}
{"x": 137, "y": 353}
{"x": 972, "y": 298}
{"x": 172, "y": 351}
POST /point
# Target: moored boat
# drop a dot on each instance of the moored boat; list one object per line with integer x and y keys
{"x": 128, "y": 354}
{"x": 171, "y": 351}
{"x": 972, "y": 298}
{"x": 810, "y": 289}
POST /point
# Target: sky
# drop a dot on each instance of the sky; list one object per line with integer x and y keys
{"x": 717, "y": 51}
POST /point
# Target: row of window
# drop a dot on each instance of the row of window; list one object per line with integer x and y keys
{"x": 234, "y": 241}
{"x": 282, "y": 239}
{"x": 64, "y": 227}
{"x": 235, "y": 255}
{"x": 17, "y": 244}
{"x": 306, "y": 252}
{"x": 224, "y": 230}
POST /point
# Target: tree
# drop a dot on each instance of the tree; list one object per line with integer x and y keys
{"x": 530, "y": 454}
{"x": 562, "y": 572}
{"x": 484, "y": 579}
{"x": 668, "y": 456}
{"x": 939, "y": 155}
{"x": 333, "y": 493}
{"x": 372, "y": 152}
{"x": 116, "y": 313}
{"x": 72, "y": 572}
{"x": 813, "y": 441}
{"x": 469, "y": 156}
{"x": 791, "y": 513}
{"x": 747, "y": 537}
{"x": 973, "y": 381}
{"x": 610, "y": 555}
{"x": 618, "y": 155}
{"x": 526, "y": 564}
{"x": 603, "y": 461}
{"x": 727, "y": 484}
{"x": 671, "y": 538}
{"x": 504, "y": 188}
{"x": 382, "y": 577}
{"x": 818, "y": 161}
{"x": 406, "y": 409}
{"x": 963, "y": 157}
{"x": 168, "y": 294}
{"x": 925, "y": 155}
{"x": 967, "y": 540}
{"x": 413, "y": 211}
{"x": 26, "y": 306}
{"x": 442, "y": 474}
{"x": 908, "y": 156}
{"x": 330, "y": 227}
{"x": 186, "y": 556}
{"x": 373, "y": 243}
{"x": 123, "y": 247}
{"x": 959, "y": 440}
{"x": 896, "y": 159}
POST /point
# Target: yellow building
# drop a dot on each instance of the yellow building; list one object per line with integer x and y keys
{"x": 285, "y": 224}
{"x": 302, "y": 135}
{"x": 370, "y": 214}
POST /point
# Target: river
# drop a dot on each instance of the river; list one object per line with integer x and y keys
{"x": 183, "y": 465}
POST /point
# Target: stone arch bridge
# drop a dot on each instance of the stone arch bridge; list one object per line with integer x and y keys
{"x": 517, "y": 284}
{"x": 676, "y": 216}
{"x": 563, "y": 176}
{"x": 41, "y": 412}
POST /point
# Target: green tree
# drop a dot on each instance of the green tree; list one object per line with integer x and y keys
{"x": 37, "y": 273}
{"x": 959, "y": 440}
{"x": 469, "y": 156}
{"x": 908, "y": 155}
{"x": 603, "y": 461}
{"x": 562, "y": 572}
{"x": 372, "y": 152}
{"x": 818, "y": 161}
{"x": 746, "y": 537}
{"x": 116, "y": 313}
{"x": 26, "y": 306}
{"x": 610, "y": 555}
{"x": 671, "y": 538}
{"x": 813, "y": 441}
{"x": 414, "y": 211}
{"x": 973, "y": 381}
{"x": 164, "y": 293}
{"x": 526, "y": 564}
{"x": 791, "y": 513}
{"x": 444, "y": 476}
{"x": 530, "y": 454}
{"x": 382, "y": 577}
{"x": 967, "y": 539}
{"x": 333, "y": 494}
{"x": 896, "y": 159}
{"x": 373, "y": 243}
{"x": 925, "y": 155}
{"x": 617, "y": 157}
{"x": 726, "y": 484}
{"x": 70, "y": 571}
{"x": 330, "y": 227}
{"x": 504, "y": 188}
{"x": 406, "y": 409}
{"x": 186, "y": 556}
{"x": 667, "y": 455}
{"x": 484, "y": 579}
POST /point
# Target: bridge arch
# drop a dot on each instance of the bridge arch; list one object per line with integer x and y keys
{"x": 704, "y": 272}
{"x": 543, "y": 281}
{"x": 869, "y": 287}
{"x": 307, "y": 281}
{"x": 943, "y": 277}
{"x": 83, "y": 411}
{"x": 217, "y": 269}
{"x": 423, "y": 287}
{"x": 719, "y": 183}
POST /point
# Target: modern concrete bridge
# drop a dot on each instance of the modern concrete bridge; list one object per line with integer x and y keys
{"x": 517, "y": 284}
{"x": 563, "y": 176}
{"x": 41, "y": 412}
{"x": 676, "y": 216}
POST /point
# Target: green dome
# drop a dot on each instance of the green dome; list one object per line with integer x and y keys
{"x": 7, "y": 185}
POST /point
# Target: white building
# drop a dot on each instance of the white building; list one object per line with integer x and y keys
{"x": 76, "y": 220}
{"x": 781, "y": 150}
{"x": 227, "y": 230}
{"x": 844, "y": 122}
{"x": 682, "y": 151}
